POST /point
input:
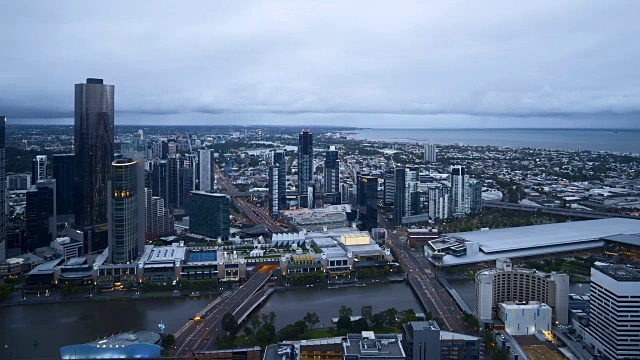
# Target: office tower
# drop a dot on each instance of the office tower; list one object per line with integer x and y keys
{"x": 18, "y": 182}
{"x": 159, "y": 222}
{"x": 172, "y": 148}
{"x": 344, "y": 193}
{"x": 430, "y": 152}
{"x": 614, "y": 325}
{"x": 40, "y": 215}
{"x": 406, "y": 199}
{"x": 389, "y": 187}
{"x": 228, "y": 165}
{"x": 439, "y": 207}
{"x": 368, "y": 201}
{"x": 186, "y": 186}
{"x": 174, "y": 185}
{"x": 3, "y": 191}
{"x": 126, "y": 210}
{"x": 506, "y": 283}
{"x": 473, "y": 196}
{"x": 399, "y": 198}
{"x": 331, "y": 171}
{"x": 160, "y": 179}
{"x": 274, "y": 195}
{"x": 279, "y": 158}
{"x": 458, "y": 187}
{"x": 93, "y": 150}
{"x": 305, "y": 168}
{"x": 423, "y": 340}
{"x": 63, "y": 172}
{"x": 209, "y": 214}
{"x": 206, "y": 182}
{"x": 192, "y": 162}
{"x": 39, "y": 168}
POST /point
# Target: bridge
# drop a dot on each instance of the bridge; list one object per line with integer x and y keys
{"x": 587, "y": 214}
{"x": 200, "y": 332}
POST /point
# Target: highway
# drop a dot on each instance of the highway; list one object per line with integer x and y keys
{"x": 201, "y": 334}
{"x": 556, "y": 211}
{"x": 420, "y": 273}
{"x": 256, "y": 214}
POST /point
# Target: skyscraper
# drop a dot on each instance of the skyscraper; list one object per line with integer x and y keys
{"x": 93, "y": 150}
{"x": 40, "y": 214}
{"x": 331, "y": 172}
{"x": 274, "y": 191}
{"x": 614, "y": 326}
{"x": 458, "y": 188}
{"x": 430, "y": 152}
{"x": 206, "y": 182}
{"x": 279, "y": 158}
{"x": 439, "y": 201}
{"x": 3, "y": 192}
{"x": 126, "y": 210}
{"x": 368, "y": 201}
{"x": 389, "y": 187}
{"x": 39, "y": 168}
{"x": 63, "y": 165}
{"x": 305, "y": 168}
{"x": 406, "y": 199}
{"x": 474, "y": 196}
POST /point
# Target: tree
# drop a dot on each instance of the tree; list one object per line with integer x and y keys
{"x": 408, "y": 315}
{"x": 344, "y": 323}
{"x": 229, "y": 322}
{"x": 266, "y": 334}
{"x": 390, "y": 317}
{"x": 501, "y": 354}
{"x": 169, "y": 341}
{"x": 255, "y": 322}
{"x": 359, "y": 325}
{"x": 248, "y": 330}
{"x": 345, "y": 311}
{"x": 367, "y": 313}
{"x": 269, "y": 318}
{"x": 312, "y": 319}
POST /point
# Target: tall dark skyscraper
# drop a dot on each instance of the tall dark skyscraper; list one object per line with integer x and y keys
{"x": 279, "y": 158}
{"x": 209, "y": 214}
{"x": 126, "y": 210}
{"x": 332, "y": 172}
{"x": 40, "y": 215}
{"x": 63, "y": 165}
{"x": 3, "y": 192}
{"x": 93, "y": 150}
{"x": 274, "y": 194}
{"x": 368, "y": 201}
{"x": 305, "y": 168}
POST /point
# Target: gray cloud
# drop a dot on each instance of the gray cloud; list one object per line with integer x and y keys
{"x": 368, "y": 63}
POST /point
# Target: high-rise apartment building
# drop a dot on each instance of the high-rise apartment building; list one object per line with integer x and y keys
{"x": 174, "y": 181}
{"x": 279, "y": 158}
{"x": 63, "y": 172}
{"x": 389, "y": 187}
{"x": 614, "y": 319}
{"x": 3, "y": 192}
{"x": 160, "y": 179}
{"x": 93, "y": 150}
{"x": 274, "y": 190}
{"x": 206, "y": 176}
{"x": 331, "y": 171}
{"x": 430, "y": 152}
{"x": 368, "y": 201}
{"x": 406, "y": 199}
{"x": 39, "y": 168}
{"x": 473, "y": 196}
{"x": 458, "y": 188}
{"x": 126, "y": 210}
{"x": 40, "y": 214}
{"x": 439, "y": 207}
{"x": 209, "y": 214}
{"x": 305, "y": 169}
{"x": 159, "y": 222}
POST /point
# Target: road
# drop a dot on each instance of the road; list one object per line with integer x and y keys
{"x": 201, "y": 334}
{"x": 556, "y": 211}
{"x": 256, "y": 214}
{"x": 421, "y": 274}
{"x": 575, "y": 346}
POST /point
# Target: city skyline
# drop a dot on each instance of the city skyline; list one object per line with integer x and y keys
{"x": 425, "y": 65}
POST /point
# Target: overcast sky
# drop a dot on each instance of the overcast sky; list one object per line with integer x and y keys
{"x": 361, "y": 63}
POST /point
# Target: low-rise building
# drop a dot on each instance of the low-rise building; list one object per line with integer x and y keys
{"x": 423, "y": 340}
{"x": 525, "y": 318}
{"x": 371, "y": 346}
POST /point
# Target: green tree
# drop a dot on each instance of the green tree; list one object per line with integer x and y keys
{"x": 169, "y": 341}
{"x": 367, "y": 313}
{"x": 390, "y": 317}
{"x": 269, "y": 318}
{"x": 312, "y": 319}
{"x": 255, "y": 322}
{"x": 344, "y": 323}
{"x": 501, "y": 354}
{"x": 266, "y": 334}
{"x": 229, "y": 322}
{"x": 408, "y": 315}
{"x": 359, "y": 325}
{"x": 345, "y": 311}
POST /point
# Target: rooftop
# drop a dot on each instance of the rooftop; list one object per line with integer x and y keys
{"x": 619, "y": 272}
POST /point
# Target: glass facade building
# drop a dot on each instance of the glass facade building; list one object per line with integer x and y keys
{"x": 93, "y": 150}
{"x": 126, "y": 211}
{"x": 305, "y": 167}
{"x": 3, "y": 191}
{"x": 209, "y": 214}
{"x": 368, "y": 201}
{"x": 279, "y": 158}
{"x": 63, "y": 165}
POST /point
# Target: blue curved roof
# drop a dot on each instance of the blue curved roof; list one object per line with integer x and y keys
{"x": 83, "y": 351}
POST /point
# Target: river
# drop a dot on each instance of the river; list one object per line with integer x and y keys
{"x": 59, "y": 324}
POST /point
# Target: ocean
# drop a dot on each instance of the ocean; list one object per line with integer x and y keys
{"x": 616, "y": 141}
